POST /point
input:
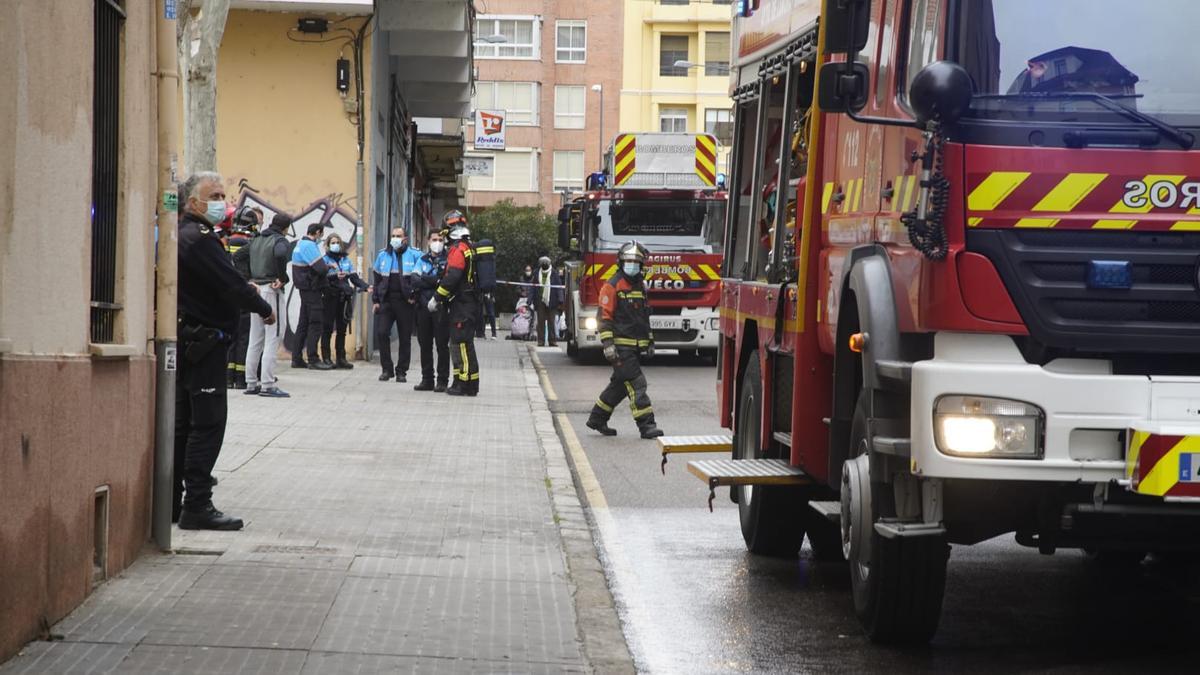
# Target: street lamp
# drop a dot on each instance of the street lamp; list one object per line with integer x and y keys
{"x": 686, "y": 65}
{"x": 600, "y": 90}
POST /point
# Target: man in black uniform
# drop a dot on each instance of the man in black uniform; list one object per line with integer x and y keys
{"x": 211, "y": 294}
{"x": 625, "y": 333}
{"x": 433, "y": 328}
{"x": 458, "y": 289}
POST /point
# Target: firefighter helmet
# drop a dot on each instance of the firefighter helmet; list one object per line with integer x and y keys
{"x": 459, "y": 232}
{"x": 633, "y": 252}
{"x": 453, "y": 218}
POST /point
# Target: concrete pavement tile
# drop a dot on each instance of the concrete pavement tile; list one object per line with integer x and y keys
{"x": 66, "y": 658}
{"x": 127, "y": 607}
{"x": 320, "y": 663}
{"x": 179, "y": 660}
{"x": 250, "y": 606}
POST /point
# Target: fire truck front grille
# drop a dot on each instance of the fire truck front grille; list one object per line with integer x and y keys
{"x": 665, "y": 336}
{"x": 1046, "y": 274}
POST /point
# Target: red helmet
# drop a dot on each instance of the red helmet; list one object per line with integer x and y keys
{"x": 453, "y": 218}
{"x": 227, "y": 224}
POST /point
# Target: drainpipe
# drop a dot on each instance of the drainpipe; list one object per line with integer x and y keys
{"x": 166, "y": 277}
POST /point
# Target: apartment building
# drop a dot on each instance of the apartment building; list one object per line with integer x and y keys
{"x": 554, "y": 68}
{"x": 675, "y": 76}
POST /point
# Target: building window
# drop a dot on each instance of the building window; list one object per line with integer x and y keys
{"x": 672, "y": 120}
{"x": 569, "y": 105}
{"x": 719, "y": 123}
{"x": 520, "y": 33}
{"x": 716, "y": 53}
{"x": 106, "y": 110}
{"x": 672, "y": 48}
{"x": 568, "y": 170}
{"x": 570, "y": 42}
{"x": 518, "y": 99}
{"x": 512, "y": 171}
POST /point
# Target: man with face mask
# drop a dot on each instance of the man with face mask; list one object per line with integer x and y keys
{"x": 310, "y": 275}
{"x": 211, "y": 294}
{"x": 433, "y": 327}
{"x": 545, "y": 296}
{"x": 625, "y": 333}
{"x": 393, "y": 303}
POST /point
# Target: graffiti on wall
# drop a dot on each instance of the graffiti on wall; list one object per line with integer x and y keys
{"x": 332, "y": 212}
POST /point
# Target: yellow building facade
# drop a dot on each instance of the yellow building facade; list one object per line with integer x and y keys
{"x": 675, "y": 73}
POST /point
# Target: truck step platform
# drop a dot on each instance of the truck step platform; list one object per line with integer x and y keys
{"x": 674, "y": 445}
{"x": 831, "y": 511}
{"x": 730, "y": 472}
{"x": 784, "y": 438}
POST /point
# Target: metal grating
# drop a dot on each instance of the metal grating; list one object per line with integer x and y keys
{"x": 106, "y": 108}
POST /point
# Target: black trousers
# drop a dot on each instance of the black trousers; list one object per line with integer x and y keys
{"x": 629, "y": 382}
{"x": 237, "y": 350}
{"x": 400, "y": 312}
{"x": 201, "y": 410}
{"x": 462, "y": 352}
{"x": 487, "y": 317}
{"x": 433, "y": 332}
{"x": 335, "y": 306}
{"x": 310, "y": 326}
{"x": 545, "y": 324}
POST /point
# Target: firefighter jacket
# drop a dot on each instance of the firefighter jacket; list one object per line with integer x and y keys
{"x": 392, "y": 274}
{"x": 625, "y": 313}
{"x": 458, "y": 283}
{"x": 239, "y": 251}
{"x": 308, "y": 266}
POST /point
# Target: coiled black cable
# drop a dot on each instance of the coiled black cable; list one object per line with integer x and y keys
{"x": 928, "y": 235}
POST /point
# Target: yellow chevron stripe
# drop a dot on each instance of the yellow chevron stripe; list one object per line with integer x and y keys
{"x": 910, "y": 192}
{"x": 1114, "y": 224}
{"x": 1037, "y": 222}
{"x": 974, "y": 222}
{"x": 826, "y": 197}
{"x": 1069, "y": 192}
{"x": 1165, "y": 473}
{"x": 612, "y": 269}
{"x": 995, "y": 189}
{"x": 703, "y": 162}
{"x": 709, "y": 271}
{"x": 708, "y": 142}
{"x": 626, "y": 161}
{"x": 1150, "y": 181}
{"x": 691, "y": 272}
{"x": 858, "y": 190}
{"x": 1187, "y": 226}
{"x": 623, "y": 142}
{"x": 1135, "y": 447}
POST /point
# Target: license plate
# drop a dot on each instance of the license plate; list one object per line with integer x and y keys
{"x": 666, "y": 323}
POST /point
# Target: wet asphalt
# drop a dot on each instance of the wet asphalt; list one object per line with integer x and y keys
{"x": 692, "y": 600}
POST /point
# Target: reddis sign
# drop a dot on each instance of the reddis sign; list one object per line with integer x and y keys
{"x": 489, "y": 129}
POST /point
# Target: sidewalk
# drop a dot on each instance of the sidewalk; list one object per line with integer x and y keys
{"x": 379, "y": 538}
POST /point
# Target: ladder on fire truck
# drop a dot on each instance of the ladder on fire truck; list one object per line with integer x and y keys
{"x": 729, "y": 472}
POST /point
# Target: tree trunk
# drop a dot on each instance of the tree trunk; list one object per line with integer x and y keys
{"x": 200, "y": 29}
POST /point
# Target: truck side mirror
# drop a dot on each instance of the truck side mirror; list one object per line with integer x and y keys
{"x": 843, "y": 87}
{"x": 847, "y": 23}
{"x": 941, "y": 91}
{"x": 564, "y": 228}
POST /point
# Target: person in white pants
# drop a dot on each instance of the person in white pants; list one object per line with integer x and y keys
{"x": 270, "y": 252}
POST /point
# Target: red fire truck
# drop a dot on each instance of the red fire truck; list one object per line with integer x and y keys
{"x": 665, "y": 191}
{"x": 960, "y": 288}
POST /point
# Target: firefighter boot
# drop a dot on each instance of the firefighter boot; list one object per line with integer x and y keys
{"x": 457, "y": 389}
{"x": 601, "y": 425}
{"x": 472, "y": 388}
{"x": 648, "y": 428}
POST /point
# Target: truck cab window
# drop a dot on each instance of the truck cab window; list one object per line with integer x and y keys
{"x": 767, "y": 191}
{"x": 741, "y": 165}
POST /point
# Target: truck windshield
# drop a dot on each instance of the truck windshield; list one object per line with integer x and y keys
{"x": 1027, "y": 58}
{"x": 662, "y": 225}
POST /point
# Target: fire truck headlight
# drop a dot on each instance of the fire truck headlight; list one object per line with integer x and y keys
{"x": 977, "y": 426}
{"x": 590, "y": 323}
{"x": 714, "y": 323}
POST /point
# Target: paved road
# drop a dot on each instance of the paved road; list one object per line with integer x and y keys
{"x": 692, "y": 600}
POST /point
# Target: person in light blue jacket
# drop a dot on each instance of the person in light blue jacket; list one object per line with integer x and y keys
{"x": 309, "y": 277}
{"x": 393, "y": 303}
{"x": 339, "y": 300}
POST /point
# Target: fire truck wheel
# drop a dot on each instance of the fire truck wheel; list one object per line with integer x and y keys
{"x": 771, "y": 517}
{"x": 897, "y": 584}
{"x": 572, "y": 348}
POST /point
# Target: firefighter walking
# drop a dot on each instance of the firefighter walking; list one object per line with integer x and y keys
{"x": 625, "y": 333}
{"x": 458, "y": 289}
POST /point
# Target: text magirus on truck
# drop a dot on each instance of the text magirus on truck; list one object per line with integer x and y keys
{"x": 960, "y": 287}
{"x": 665, "y": 191}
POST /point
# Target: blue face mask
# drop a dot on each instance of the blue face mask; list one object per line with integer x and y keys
{"x": 631, "y": 269}
{"x": 215, "y": 212}
{"x": 335, "y": 248}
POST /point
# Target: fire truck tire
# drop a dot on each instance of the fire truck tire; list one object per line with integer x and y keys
{"x": 572, "y": 348}
{"x": 771, "y": 517}
{"x": 824, "y": 537}
{"x": 897, "y": 584}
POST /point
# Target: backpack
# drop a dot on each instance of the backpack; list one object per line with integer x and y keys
{"x": 485, "y": 266}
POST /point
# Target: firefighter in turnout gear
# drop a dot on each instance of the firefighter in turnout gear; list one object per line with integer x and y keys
{"x": 458, "y": 288}
{"x": 625, "y": 333}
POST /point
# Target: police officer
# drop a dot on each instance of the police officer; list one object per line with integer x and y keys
{"x": 211, "y": 293}
{"x": 309, "y": 274}
{"x": 458, "y": 289}
{"x": 433, "y": 327}
{"x": 393, "y": 303}
{"x": 625, "y": 333}
{"x": 339, "y": 300}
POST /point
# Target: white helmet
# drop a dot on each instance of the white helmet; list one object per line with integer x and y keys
{"x": 459, "y": 232}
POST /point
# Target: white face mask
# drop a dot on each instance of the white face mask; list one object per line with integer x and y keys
{"x": 631, "y": 269}
{"x": 436, "y": 247}
{"x": 335, "y": 248}
{"x": 397, "y": 242}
